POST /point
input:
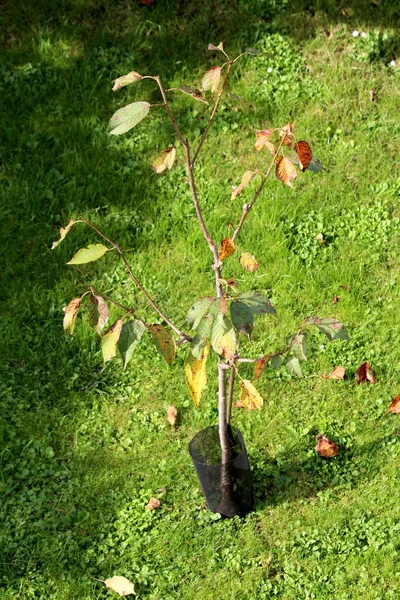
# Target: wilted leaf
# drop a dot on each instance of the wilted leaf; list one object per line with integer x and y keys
{"x": 71, "y": 312}
{"x": 227, "y": 248}
{"x": 320, "y": 238}
{"x": 395, "y": 405}
{"x": 121, "y": 82}
{"x": 153, "y": 503}
{"x": 164, "y": 342}
{"x": 293, "y": 366}
{"x": 223, "y": 337}
{"x": 198, "y": 310}
{"x": 257, "y": 303}
{"x": 172, "y": 415}
{"x": 248, "y": 262}
{"x": 127, "y": 117}
{"x": 195, "y": 373}
{"x": 304, "y": 153}
{"x": 332, "y": 328}
{"x": 211, "y": 79}
{"x": 286, "y": 134}
{"x": 231, "y": 282}
{"x": 164, "y": 161}
{"x": 325, "y": 447}
{"x": 100, "y": 314}
{"x": 130, "y": 336}
{"x": 260, "y": 365}
{"x": 89, "y": 254}
{"x": 285, "y": 171}
{"x": 315, "y": 165}
{"x": 247, "y": 177}
{"x": 365, "y": 374}
{"x": 110, "y": 339}
{"x": 63, "y": 233}
{"x": 253, "y": 51}
{"x": 121, "y": 585}
{"x": 298, "y": 344}
{"x": 249, "y": 397}
{"x": 337, "y": 373}
{"x": 242, "y": 317}
{"x": 219, "y": 47}
{"x": 262, "y": 138}
{"x": 194, "y": 92}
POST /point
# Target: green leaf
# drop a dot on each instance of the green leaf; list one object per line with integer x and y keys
{"x": 315, "y": 165}
{"x": 131, "y": 333}
{"x": 164, "y": 342}
{"x": 293, "y": 366}
{"x": 242, "y": 317}
{"x": 299, "y": 345}
{"x": 63, "y": 233}
{"x": 276, "y": 361}
{"x": 127, "y": 117}
{"x": 223, "y": 337}
{"x": 332, "y": 328}
{"x": 198, "y": 310}
{"x": 89, "y": 254}
{"x": 257, "y": 303}
{"x": 110, "y": 339}
{"x": 202, "y": 336}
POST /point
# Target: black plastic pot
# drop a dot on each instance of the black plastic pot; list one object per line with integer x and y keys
{"x": 228, "y": 488}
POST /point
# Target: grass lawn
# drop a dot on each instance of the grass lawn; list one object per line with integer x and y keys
{"x": 84, "y": 446}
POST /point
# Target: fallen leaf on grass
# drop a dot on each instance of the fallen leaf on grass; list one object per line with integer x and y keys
{"x": 395, "y": 405}
{"x": 172, "y": 415}
{"x": 325, "y": 447}
{"x": 337, "y": 373}
{"x": 121, "y": 585}
{"x": 335, "y": 299}
{"x": 153, "y": 503}
{"x": 364, "y": 374}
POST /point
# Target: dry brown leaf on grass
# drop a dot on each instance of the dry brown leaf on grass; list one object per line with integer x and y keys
{"x": 172, "y": 415}
{"x": 336, "y": 373}
{"x": 325, "y": 447}
{"x": 121, "y": 585}
{"x": 365, "y": 374}
{"x": 153, "y": 503}
{"x": 395, "y": 405}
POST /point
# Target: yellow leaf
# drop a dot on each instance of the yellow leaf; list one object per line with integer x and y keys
{"x": 211, "y": 79}
{"x": 110, "y": 339}
{"x": 285, "y": 170}
{"x": 249, "y": 397}
{"x": 196, "y": 375}
{"x": 248, "y": 262}
{"x": 227, "y": 248}
{"x": 164, "y": 342}
{"x": 165, "y": 160}
{"x": 248, "y": 176}
{"x": 121, "y": 585}
{"x": 63, "y": 233}
{"x": 70, "y": 314}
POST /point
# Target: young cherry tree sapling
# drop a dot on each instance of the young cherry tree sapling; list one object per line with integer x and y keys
{"x": 217, "y": 321}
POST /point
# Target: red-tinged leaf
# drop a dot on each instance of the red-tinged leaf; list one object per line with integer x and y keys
{"x": 337, "y": 373}
{"x": 110, "y": 339}
{"x": 248, "y": 262}
{"x": 224, "y": 306}
{"x": 165, "y": 160}
{"x": 262, "y": 137}
{"x": 395, "y": 405}
{"x": 219, "y": 47}
{"x": 304, "y": 153}
{"x": 120, "y": 585}
{"x": 211, "y": 79}
{"x": 121, "y": 82}
{"x": 325, "y": 447}
{"x": 63, "y": 233}
{"x": 172, "y": 415}
{"x": 194, "y": 92}
{"x": 249, "y": 397}
{"x": 285, "y": 171}
{"x": 71, "y": 312}
{"x": 164, "y": 342}
{"x": 153, "y": 503}
{"x": 196, "y": 374}
{"x": 246, "y": 179}
{"x": 365, "y": 374}
{"x": 128, "y": 117}
{"x": 260, "y": 365}
{"x": 91, "y": 253}
{"x": 99, "y": 317}
{"x": 227, "y": 248}
{"x": 286, "y": 134}
{"x": 146, "y": 2}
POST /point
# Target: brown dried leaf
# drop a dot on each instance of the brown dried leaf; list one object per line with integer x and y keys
{"x": 286, "y": 134}
{"x": 249, "y": 397}
{"x": 260, "y": 365}
{"x": 63, "y": 233}
{"x": 395, "y": 405}
{"x": 164, "y": 160}
{"x": 121, "y": 82}
{"x": 248, "y": 262}
{"x": 247, "y": 177}
{"x": 101, "y": 313}
{"x": 71, "y": 312}
{"x": 335, "y": 299}
{"x": 121, "y": 585}
{"x": 364, "y": 374}
{"x": 153, "y": 503}
{"x": 219, "y": 47}
{"x": 211, "y": 79}
{"x": 172, "y": 415}
{"x": 285, "y": 170}
{"x": 262, "y": 137}
{"x": 325, "y": 447}
{"x": 227, "y": 248}
{"x": 304, "y": 153}
{"x": 337, "y": 373}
